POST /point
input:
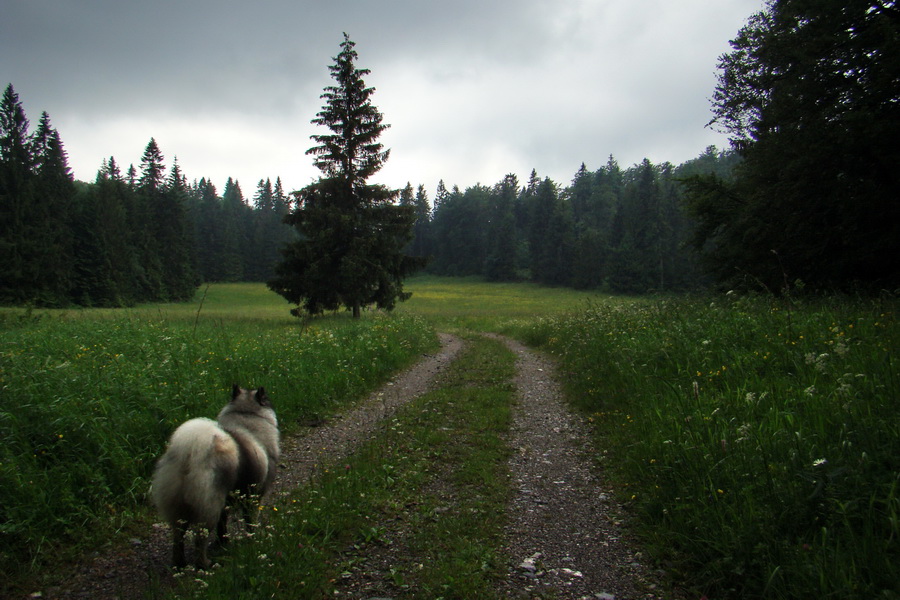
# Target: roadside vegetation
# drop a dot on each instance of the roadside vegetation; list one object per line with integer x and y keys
{"x": 756, "y": 438}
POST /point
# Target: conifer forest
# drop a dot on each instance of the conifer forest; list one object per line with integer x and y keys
{"x": 147, "y": 233}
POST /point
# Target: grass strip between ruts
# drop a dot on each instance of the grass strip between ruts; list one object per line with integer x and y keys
{"x": 432, "y": 480}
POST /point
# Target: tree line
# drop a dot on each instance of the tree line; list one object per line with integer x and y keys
{"x": 621, "y": 230}
{"x": 142, "y": 235}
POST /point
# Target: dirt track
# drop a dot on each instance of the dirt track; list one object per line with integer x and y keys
{"x": 564, "y": 535}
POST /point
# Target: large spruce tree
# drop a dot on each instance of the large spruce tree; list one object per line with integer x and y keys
{"x": 351, "y": 234}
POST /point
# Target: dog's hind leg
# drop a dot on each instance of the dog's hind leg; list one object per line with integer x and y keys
{"x": 178, "y": 530}
{"x": 201, "y": 539}
{"x": 222, "y": 527}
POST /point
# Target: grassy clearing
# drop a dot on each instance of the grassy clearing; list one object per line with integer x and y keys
{"x": 757, "y": 440}
{"x": 436, "y": 471}
{"x": 470, "y": 303}
{"x": 87, "y": 399}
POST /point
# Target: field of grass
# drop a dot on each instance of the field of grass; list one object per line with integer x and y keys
{"x": 88, "y": 398}
{"x": 470, "y": 303}
{"x": 755, "y": 439}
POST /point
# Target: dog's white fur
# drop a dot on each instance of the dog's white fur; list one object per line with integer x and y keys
{"x": 206, "y": 460}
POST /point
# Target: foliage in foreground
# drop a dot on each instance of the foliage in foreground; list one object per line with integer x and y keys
{"x": 758, "y": 441}
{"x": 432, "y": 481}
{"x": 86, "y": 404}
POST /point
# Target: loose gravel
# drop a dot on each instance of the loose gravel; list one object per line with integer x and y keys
{"x": 565, "y": 536}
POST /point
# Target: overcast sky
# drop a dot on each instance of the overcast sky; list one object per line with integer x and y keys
{"x": 472, "y": 89}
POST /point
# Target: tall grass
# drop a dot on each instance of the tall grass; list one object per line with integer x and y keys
{"x": 87, "y": 399}
{"x": 757, "y": 440}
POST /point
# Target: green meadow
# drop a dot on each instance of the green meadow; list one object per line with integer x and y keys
{"x": 472, "y": 303}
{"x": 754, "y": 439}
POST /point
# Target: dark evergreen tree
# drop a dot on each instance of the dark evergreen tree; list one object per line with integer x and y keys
{"x": 440, "y": 195}
{"x": 282, "y": 234}
{"x": 264, "y": 200}
{"x": 153, "y": 168}
{"x": 554, "y": 243}
{"x": 106, "y": 271}
{"x": 459, "y": 232}
{"x": 421, "y": 244}
{"x": 234, "y": 234}
{"x": 580, "y": 192}
{"x": 146, "y": 223}
{"x": 261, "y": 257}
{"x": 16, "y": 202}
{"x": 270, "y": 233}
{"x": 541, "y": 243}
{"x": 500, "y": 262}
{"x": 351, "y": 234}
{"x": 206, "y": 213}
{"x": 54, "y": 193}
{"x": 593, "y": 245}
{"x": 407, "y": 196}
{"x": 636, "y": 260}
{"x": 174, "y": 238}
{"x": 36, "y": 195}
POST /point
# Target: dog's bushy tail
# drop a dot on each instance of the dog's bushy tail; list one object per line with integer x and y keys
{"x": 193, "y": 478}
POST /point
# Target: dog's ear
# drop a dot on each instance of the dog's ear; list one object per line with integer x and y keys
{"x": 235, "y": 391}
{"x": 261, "y": 397}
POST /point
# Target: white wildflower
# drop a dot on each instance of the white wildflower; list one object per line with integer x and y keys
{"x": 819, "y": 462}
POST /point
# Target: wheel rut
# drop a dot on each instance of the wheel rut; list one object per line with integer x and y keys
{"x": 564, "y": 534}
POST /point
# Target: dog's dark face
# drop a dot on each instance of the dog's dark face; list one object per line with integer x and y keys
{"x": 246, "y": 399}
